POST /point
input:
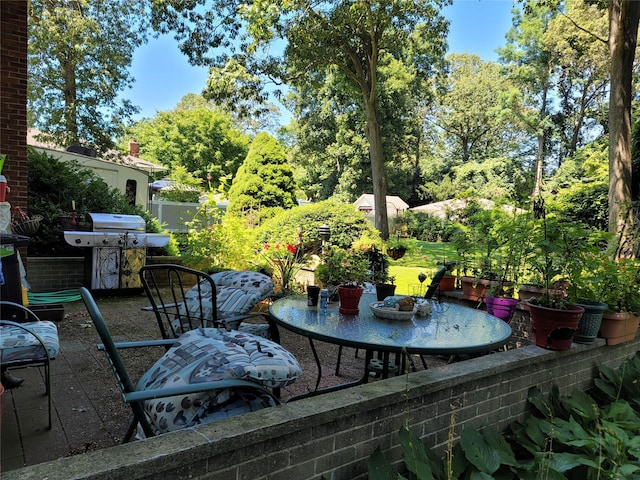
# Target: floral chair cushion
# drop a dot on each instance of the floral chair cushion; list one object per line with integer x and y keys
{"x": 210, "y": 354}
{"x": 237, "y": 292}
{"x": 16, "y": 344}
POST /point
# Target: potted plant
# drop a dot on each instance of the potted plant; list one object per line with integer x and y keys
{"x": 396, "y": 248}
{"x": 344, "y": 271}
{"x": 448, "y": 282}
{"x": 587, "y": 287}
{"x": 379, "y": 273}
{"x": 622, "y": 296}
{"x": 554, "y": 319}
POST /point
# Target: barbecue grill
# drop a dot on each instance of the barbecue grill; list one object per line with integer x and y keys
{"x": 117, "y": 252}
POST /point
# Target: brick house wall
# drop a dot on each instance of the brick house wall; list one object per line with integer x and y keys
{"x": 13, "y": 98}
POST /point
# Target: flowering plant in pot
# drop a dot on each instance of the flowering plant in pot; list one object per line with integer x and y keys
{"x": 344, "y": 271}
{"x": 284, "y": 261}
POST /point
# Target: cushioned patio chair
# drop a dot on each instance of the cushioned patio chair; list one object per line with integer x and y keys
{"x": 183, "y": 298}
{"x": 207, "y": 374}
{"x": 27, "y": 341}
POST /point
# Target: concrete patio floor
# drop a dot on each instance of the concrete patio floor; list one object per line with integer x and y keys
{"x": 88, "y": 411}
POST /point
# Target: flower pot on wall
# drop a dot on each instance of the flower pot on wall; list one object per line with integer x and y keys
{"x": 618, "y": 328}
{"x": 553, "y": 328}
{"x": 349, "y": 299}
{"x": 447, "y": 283}
{"x": 475, "y": 289}
{"x": 501, "y": 307}
{"x": 589, "y": 324}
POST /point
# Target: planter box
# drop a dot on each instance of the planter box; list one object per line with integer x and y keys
{"x": 475, "y": 289}
{"x": 447, "y": 284}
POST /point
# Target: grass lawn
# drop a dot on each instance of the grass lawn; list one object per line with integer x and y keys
{"x": 421, "y": 257}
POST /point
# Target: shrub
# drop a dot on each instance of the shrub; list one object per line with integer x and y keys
{"x": 54, "y": 184}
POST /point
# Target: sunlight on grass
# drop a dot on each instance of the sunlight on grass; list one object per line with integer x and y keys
{"x": 421, "y": 257}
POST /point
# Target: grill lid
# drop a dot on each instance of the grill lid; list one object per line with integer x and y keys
{"x": 112, "y": 222}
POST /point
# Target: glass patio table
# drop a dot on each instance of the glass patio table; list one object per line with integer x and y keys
{"x": 449, "y": 329}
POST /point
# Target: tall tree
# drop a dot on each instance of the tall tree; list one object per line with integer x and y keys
{"x": 532, "y": 66}
{"x": 475, "y": 109}
{"x": 196, "y": 135}
{"x": 80, "y": 52}
{"x": 624, "y": 16}
{"x": 344, "y": 35}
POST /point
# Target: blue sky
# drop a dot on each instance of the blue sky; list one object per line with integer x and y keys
{"x": 163, "y": 75}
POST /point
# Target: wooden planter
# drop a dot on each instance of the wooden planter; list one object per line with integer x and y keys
{"x": 618, "y": 328}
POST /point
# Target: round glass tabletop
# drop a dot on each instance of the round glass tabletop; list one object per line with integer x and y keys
{"x": 449, "y": 329}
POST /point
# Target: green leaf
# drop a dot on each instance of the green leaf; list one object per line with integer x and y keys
{"x": 416, "y": 456}
{"x": 582, "y": 405}
{"x": 379, "y": 467}
{"x": 538, "y": 400}
{"x": 478, "y": 451}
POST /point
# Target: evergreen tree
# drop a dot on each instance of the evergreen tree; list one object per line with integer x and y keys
{"x": 264, "y": 180}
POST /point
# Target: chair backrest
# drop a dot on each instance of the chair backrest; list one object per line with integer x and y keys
{"x": 117, "y": 365}
{"x": 181, "y": 298}
{"x": 433, "y": 287}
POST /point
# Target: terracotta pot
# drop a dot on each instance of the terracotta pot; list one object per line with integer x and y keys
{"x": 589, "y": 324}
{"x": 475, "y": 289}
{"x": 618, "y": 328}
{"x": 349, "y": 299}
{"x": 529, "y": 291}
{"x": 384, "y": 290}
{"x": 447, "y": 283}
{"x": 554, "y": 328}
{"x": 501, "y": 307}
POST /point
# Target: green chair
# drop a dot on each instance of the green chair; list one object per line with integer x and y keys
{"x": 206, "y": 374}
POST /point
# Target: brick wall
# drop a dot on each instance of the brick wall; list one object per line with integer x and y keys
{"x": 13, "y": 98}
{"x": 50, "y": 274}
{"x": 332, "y": 436}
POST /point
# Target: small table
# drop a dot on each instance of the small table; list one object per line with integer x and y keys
{"x": 450, "y": 329}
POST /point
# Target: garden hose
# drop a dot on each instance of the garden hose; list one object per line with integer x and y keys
{"x": 61, "y": 296}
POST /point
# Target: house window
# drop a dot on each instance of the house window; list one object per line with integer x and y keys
{"x": 131, "y": 190}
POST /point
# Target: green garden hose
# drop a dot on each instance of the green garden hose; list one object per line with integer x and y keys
{"x": 61, "y": 296}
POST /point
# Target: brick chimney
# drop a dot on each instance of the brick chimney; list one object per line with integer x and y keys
{"x": 134, "y": 148}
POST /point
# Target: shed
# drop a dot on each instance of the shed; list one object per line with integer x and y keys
{"x": 127, "y": 173}
{"x": 367, "y": 205}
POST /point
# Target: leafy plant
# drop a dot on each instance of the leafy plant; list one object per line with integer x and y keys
{"x": 284, "y": 261}
{"x": 578, "y": 437}
{"x": 343, "y": 267}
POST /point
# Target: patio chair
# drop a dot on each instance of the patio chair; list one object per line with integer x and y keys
{"x": 183, "y": 298}
{"x": 207, "y": 374}
{"x": 27, "y": 341}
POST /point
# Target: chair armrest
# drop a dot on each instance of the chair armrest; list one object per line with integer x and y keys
{"x": 150, "y": 308}
{"x": 142, "y": 343}
{"x": 141, "y": 395}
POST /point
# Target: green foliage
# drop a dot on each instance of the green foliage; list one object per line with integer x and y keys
{"x": 186, "y": 187}
{"x": 79, "y": 58}
{"x": 52, "y": 187}
{"x": 347, "y": 225}
{"x": 195, "y": 135}
{"x": 265, "y": 179}
{"x": 577, "y": 437}
{"x": 426, "y": 227}
{"x": 343, "y": 267}
{"x": 216, "y": 241}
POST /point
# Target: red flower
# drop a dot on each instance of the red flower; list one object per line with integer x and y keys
{"x": 291, "y": 248}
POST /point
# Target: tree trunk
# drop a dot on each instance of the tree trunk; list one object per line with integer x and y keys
{"x": 378, "y": 175}
{"x": 623, "y": 32}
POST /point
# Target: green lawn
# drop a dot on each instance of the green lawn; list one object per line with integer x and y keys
{"x": 421, "y": 257}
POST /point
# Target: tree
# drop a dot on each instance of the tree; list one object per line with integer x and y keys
{"x": 265, "y": 179}
{"x": 79, "y": 55}
{"x": 348, "y": 36}
{"x": 475, "y": 108}
{"x": 624, "y": 16}
{"x": 196, "y": 135}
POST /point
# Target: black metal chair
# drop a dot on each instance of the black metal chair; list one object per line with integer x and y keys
{"x": 178, "y": 381}
{"x": 183, "y": 298}
{"x": 27, "y": 341}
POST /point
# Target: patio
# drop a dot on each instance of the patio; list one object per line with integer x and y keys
{"x": 88, "y": 413}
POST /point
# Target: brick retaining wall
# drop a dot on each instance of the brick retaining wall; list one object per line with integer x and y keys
{"x": 50, "y": 274}
{"x": 332, "y": 436}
